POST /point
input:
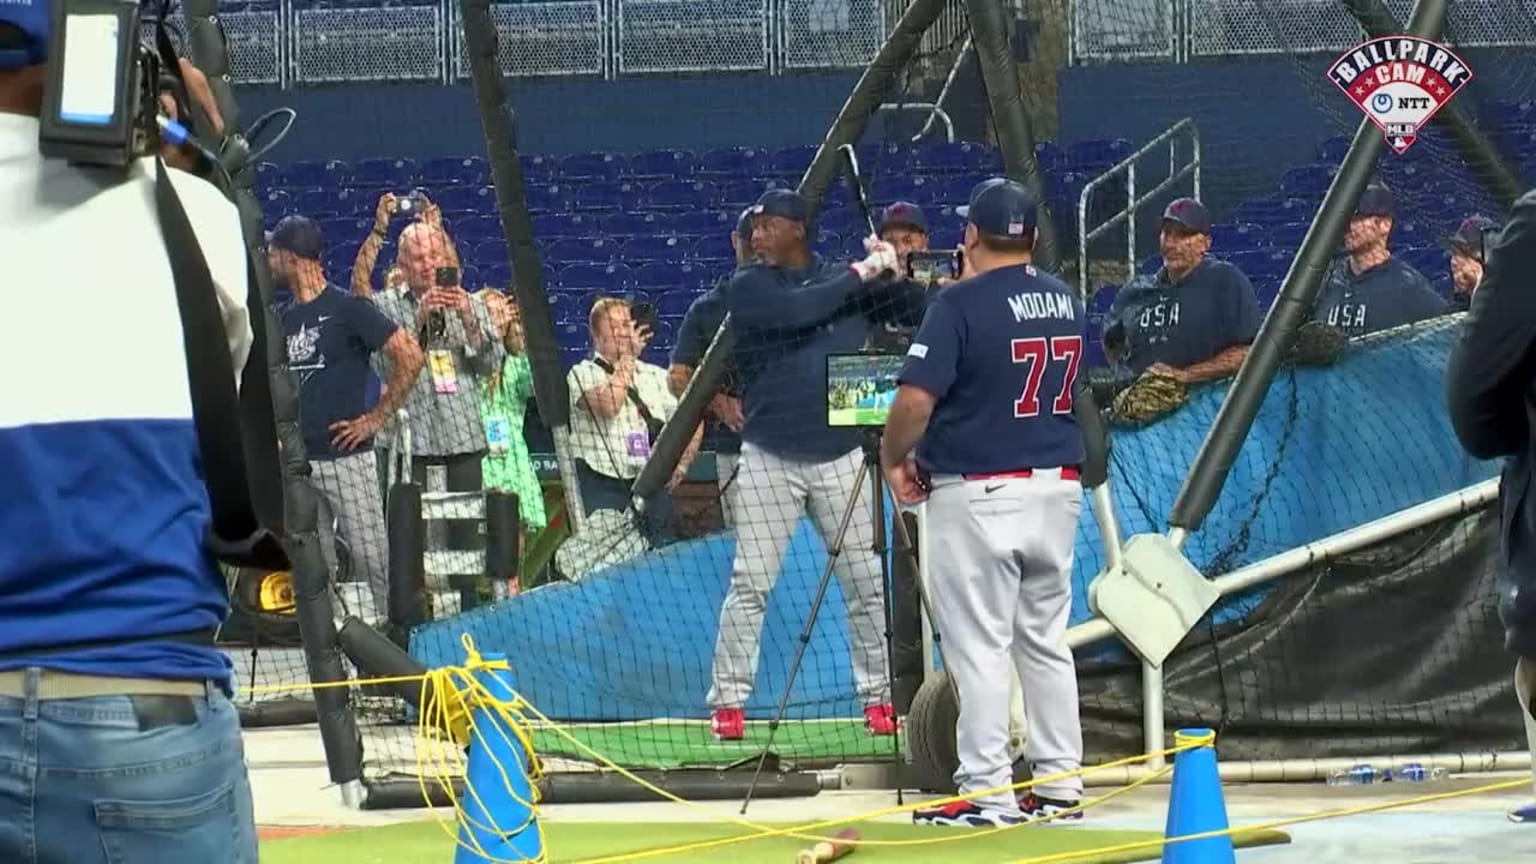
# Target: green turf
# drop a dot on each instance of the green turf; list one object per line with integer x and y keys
{"x": 683, "y": 743}
{"x": 571, "y": 842}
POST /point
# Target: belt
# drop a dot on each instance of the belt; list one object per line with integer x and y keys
{"x": 62, "y": 685}
{"x": 1068, "y": 472}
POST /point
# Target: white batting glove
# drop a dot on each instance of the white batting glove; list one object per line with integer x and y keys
{"x": 881, "y": 259}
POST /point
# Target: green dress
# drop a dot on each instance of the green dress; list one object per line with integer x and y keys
{"x": 508, "y": 466}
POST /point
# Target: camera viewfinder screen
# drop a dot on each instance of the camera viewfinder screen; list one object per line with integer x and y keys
{"x": 861, "y": 388}
{"x": 88, "y": 94}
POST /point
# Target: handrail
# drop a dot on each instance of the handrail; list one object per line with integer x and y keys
{"x": 949, "y": 126}
{"x": 949, "y": 81}
{"x": 1127, "y": 166}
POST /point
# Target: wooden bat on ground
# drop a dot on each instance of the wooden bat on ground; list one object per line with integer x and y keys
{"x": 841, "y": 844}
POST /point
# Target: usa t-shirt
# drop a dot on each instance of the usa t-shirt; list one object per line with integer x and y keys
{"x": 330, "y": 340}
{"x": 1211, "y": 309}
{"x": 1388, "y": 295}
{"x": 999, "y": 352}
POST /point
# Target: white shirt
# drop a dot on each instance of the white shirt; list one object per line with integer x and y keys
{"x": 617, "y": 447}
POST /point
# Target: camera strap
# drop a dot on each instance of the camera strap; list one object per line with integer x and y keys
{"x": 634, "y": 395}
{"x": 236, "y": 433}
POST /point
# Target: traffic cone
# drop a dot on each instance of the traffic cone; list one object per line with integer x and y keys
{"x": 1195, "y": 803}
{"x": 500, "y": 824}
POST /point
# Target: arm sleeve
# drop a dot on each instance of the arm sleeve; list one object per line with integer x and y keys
{"x": 761, "y": 298}
{"x": 1492, "y": 365}
{"x": 373, "y": 328}
{"x": 933, "y": 361}
{"x": 1243, "y": 309}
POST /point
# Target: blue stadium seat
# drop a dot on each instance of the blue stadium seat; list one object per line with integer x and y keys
{"x": 1432, "y": 261}
{"x": 1287, "y": 237}
{"x": 1095, "y": 155}
{"x": 1049, "y": 156}
{"x": 713, "y": 248}
{"x": 1267, "y": 289}
{"x": 1238, "y": 235}
{"x": 662, "y": 165}
{"x": 593, "y": 249}
{"x": 606, "y": 196}
{"x": 476, "y": 228}
{"x": 1103, "y": 298}
{"x": 827, "y": 242}
{"x": 1250, "y": 261}
{"x": 613, "y": 278}
{"x": 540, "y": 168}
{"x": 737, "y": 194}
{"x": 651, "y": 247}
{"x": 308, "y": 174}
{"x": 675, "y": 303}
{"x": 551, "y": 225}
{"x": 1276, "y": 263}
{"x": 895, "y": 187}
{"x": 629, "y": 224}
{"x": 454, "y": 171}
{"x": 1307, "y": 180}
{"x": 592, "y": 166}
{"x": 571, "y": 336}
{"x": 1257, "y": 210}
{"x": 339, "y": 232}
{"x": 398, "y": 175}
{"x": 477, "y": 199}
{"x": 470, "y": 277}
{"x": 659, "y": 276}
{"x": 488, "y": 250}
{"x": 314, "y": 202}
{"x": 1409, "y": 233}
{"x": 698, "y": 223}
{"x": 495, "y": 272}
{"x": 841, "y": 219}
{"x": 681, "y": 195}
{"x": 354, "y": 202}
{"x": 956, "y": 157}
{"x": 337, "y": 262}
{"x": 267, "y": 173}
{"x": 561, "y": 307}
{"x": 1332, "y": 150}
{"x": 791, "y": 161}
{"x": 276, "y": 203}
{"x": 734, "y": 162}
{"x": 549, "y": 198}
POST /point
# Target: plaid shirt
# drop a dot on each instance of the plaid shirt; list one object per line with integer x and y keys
{"x": 443, "y": 424}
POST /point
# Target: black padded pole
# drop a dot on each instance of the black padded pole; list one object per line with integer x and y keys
{"x": 676, "y": 434}
{"x": 1015, "y": 138}
{"x": 1293, "y": 307}
{"x": 407, "y": 561}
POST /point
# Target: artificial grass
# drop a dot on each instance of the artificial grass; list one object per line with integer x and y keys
{"x": 573, "y": 842}
{"x": 667, "y": 744}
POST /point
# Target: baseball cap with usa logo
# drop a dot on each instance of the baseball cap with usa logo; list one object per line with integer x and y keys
{"x": 1000, "y": 207}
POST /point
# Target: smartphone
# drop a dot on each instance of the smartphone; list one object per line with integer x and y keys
{"x": 1486, "y": 238}
{"x": 447, "y": 277}
{"x": 929, "y": 266}
{"x": 409, "y": 202}
{"x": 643, "y": 315}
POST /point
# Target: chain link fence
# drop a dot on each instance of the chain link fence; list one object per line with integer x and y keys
{"x": 558, "y": 38}
{"x": 692, "y": 35}
{"x": 394, "y": 44}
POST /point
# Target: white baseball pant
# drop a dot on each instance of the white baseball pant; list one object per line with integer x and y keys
{"x": 767, "y": 499}
{"x": 1525, "y": 691}
{"x": 350, "y": 484}
{"x": 1001, "y": 553}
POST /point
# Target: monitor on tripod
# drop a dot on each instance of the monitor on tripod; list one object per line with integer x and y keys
{"x": 861, "y": 388}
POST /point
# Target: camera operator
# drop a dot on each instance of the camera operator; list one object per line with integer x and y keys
{"x": 116, "y": 728}
{"x": 1490, "y": 385}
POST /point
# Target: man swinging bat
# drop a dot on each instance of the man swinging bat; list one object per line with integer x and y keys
{"x": 985, "y": 399}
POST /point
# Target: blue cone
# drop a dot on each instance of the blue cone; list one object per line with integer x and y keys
{"x": 1195, "y": 803}
{"x": 499, "y": 823}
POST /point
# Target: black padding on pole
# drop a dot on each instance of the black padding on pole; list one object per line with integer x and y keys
{"x": 1090, "y": 421}
{"x": 906, "y": 617}
{"x": 407, "y": 561}
{"x": 481, "y": 39}
{"x": 678, "y": 431}
{"x": 1015, "y": 138}
{"x": 277, "y": 712}
{"x": 1480, "y": 154}
{"x": 375, "y": 656}
{"x": 503, "y": 532}
{"x": 311, "y": 582}
{"x": 1293, "y": 307}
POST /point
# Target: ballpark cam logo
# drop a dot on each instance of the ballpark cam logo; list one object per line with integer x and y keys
{"x": 1400, "y": 82}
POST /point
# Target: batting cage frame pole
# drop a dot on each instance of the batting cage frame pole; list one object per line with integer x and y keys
{"x": 499, "y": 125}
{"x": 1212, "y": 465}
{"x": 1485, "y": 159}
{"x": 1015, "y": 134}
{"x": 208, "y": 50}
{"x": 847, "y": 128}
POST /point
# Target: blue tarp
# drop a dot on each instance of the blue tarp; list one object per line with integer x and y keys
{"x": 1331, "y": 448}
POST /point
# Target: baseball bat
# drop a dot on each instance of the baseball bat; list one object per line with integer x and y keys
{"x": 840, "y": 845}
{"x": 851, "y": 160}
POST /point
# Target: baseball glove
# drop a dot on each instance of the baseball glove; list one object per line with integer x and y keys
{"x": 1318, "y": 344}
{"x": 1150, "y": 398}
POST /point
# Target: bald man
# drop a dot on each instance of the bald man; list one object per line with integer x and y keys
{"x": 454, "y": 330}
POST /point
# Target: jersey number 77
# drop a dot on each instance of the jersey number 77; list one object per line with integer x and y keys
{"x": 1040, "y": 352}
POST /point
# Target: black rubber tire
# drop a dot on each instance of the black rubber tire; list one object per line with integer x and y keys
{"x": 931, "y": 734}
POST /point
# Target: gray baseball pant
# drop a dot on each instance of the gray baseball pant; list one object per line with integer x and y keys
{"x": 767, "y": 500}
{"x": 350, "y": 485}
{"x": 1001, "y": 555}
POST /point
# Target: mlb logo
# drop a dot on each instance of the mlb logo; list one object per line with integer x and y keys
{"x": 1400, "y": 82}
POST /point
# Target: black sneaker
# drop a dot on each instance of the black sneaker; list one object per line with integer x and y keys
{"x": 1038, "y": 809}
{"x": 967, "y": 814}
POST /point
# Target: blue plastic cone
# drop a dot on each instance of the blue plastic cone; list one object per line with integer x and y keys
{"x": 499, "y": 824}
{"x": 1195, "y": 803}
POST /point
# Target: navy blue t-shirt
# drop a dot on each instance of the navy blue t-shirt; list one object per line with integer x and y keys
{"x": 330, "y": 340}
{"x": 1211, "y": 309}
{"x": 694, "y": 335}
{"x": 1388, "y": 295}
{"x": 786, "y": 323}
{"x": 999, "y": 352}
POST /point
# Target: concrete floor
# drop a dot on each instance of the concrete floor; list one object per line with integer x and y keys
{"x": 291, "y": 789}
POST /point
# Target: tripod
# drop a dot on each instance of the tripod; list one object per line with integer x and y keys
{"x": 870, "y": 468}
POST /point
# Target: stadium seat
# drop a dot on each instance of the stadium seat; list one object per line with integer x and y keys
{"x": 681, "y": 195}
{"x": 1102, "y": 299}
{"x": 791, "y": 161}
{"x": 354, "y": 202}
{"x": 486, "y": 251}
{"x": 1238, "y": 235}
{"x": 652, "y": 247}
{"x": 471, "y": 278}
{"x": 315, "y": 202}
{"x": 276, "y": 203}
{"x": 1250, "y": 261}
{"x": 1409, "y": 233}
{"x": 659, "y": 276}
{"x": 454, "y": 171}
{"x": 268, "y": 172}
{"x": 1307, "y": 180}
{"x": 957, "y": 157}
{"x": 337, "y": 262}
{"x": 572, "y": 335}
{"x": 739, "y": 162}
{"x": 1267, "y": 289}
{"x": 895, "y": 187}
{"x": 476, "y": 229}
{"x": 549, "y": 198}
{"x": 594, "y": 249}
{"x": 827, "y": 242}
{"x": 1432, "y": 261}
{"x": 479, "y": 199}
{"x": 1258, "y": 210}
{"x": 539, "y": 168}
{"x": 713, "y": 248}
{"x": 1332, "y": 150}
{"x": 698, "y": 223}
{"x": 1096, "y": 155}
{"x": 629, "y": 224}
{"x": 737, "y": 194}
{"x": 1049, "y": 156}
{"x": 398, "y": 175}
{"x": 605, "y": 196}
{"x": 311, "y": 174}
{"x": 1287, "y": 237}
{"x": 592, "y": 166}
{"x": 551, "y": 225}
{"x": 662, "y": 165}
{"x": 613, "y": 278}
{"x": 675, "y": 303}
{"x": 495, "y": 272}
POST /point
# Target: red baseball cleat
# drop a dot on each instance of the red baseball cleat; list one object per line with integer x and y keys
{"x": 880, "y": 720}
{"x": 728, "y": 724}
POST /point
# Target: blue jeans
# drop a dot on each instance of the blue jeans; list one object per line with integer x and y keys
{"x": 101, "y": 780}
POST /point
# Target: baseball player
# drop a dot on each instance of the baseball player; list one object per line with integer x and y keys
{"x": 790, "y": 309}
{"x": 1371, "y": 289}
{"x": 1466, "y": 250}
{"x": 985, "y": 399}
{"x": 1193, "y": 319}
{"x": 904, "y": 226}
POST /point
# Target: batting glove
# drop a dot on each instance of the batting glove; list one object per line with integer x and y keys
{"x": 880, "y": 261}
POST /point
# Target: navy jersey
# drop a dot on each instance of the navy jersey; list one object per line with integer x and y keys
{"x": 1388, "y": 295}
{"x": 999, "y": 352}
{"x": 1211, "y": 309}
{"x": 330, "y": 340}
{"x": 786, "y": 323}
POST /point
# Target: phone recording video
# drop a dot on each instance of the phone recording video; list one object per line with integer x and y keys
{"x": 928, "y": 267}
{"x": 447, "y": 277}
{"x": 643, "y": 315}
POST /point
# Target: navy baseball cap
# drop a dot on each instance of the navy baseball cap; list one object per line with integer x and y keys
{"x": 299, "y": 235}
{"x": 1189, "y": 213}
{"x": 1468, "y": 236}
{"x": 1376, "y": 200}
{"x": 1000, "y": 207}
{"x": 744, "y": 224}
{"x": 903, "y": 214}
{"x": 785, "y": 203}
{"x": 28, "y": 44}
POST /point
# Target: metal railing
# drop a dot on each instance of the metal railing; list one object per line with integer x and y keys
{"x": 1127, "y": 167}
